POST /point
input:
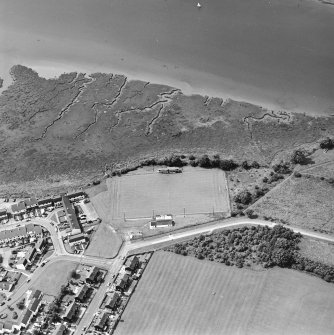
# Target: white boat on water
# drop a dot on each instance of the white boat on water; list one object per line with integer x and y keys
{"x": 199, "y": 5}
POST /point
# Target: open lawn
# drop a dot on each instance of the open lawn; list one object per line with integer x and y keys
{"x": 104, "y": 243}
{"x": 303, "y": 202}
{"x": 54, "y": 276}
{"x": 195, "y": 190}
{"x": 183, "y": 295}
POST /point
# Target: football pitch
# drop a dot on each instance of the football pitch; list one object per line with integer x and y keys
{"x": 144, "y": 193}
{"x": 180, "y": 295}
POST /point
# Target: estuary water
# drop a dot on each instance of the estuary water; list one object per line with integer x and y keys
{"x": 275, "y": 53}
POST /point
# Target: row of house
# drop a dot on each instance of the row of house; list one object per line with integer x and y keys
{"x": 71, "y": 312}
{"x": 82, "y": 294}
{"x": 12, "y": 235}
{"x": 94, "y": 276}
{"x": 21, "y": 208}
{"x": 60, "y": 330}
{"x": 39, "y": 248}
{"x": 101, "y": 322}
{"x": 34, "y": 304}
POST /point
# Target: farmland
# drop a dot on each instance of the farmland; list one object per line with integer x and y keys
{"x": 303, "y": 202}
{"x": 183, "y": 295}
{"x": 196, "y": 191}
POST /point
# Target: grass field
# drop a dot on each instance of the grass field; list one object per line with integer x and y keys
{"x": 183, "y": 295}
{"x": 104, "y": 243}
{"x": 54, "y": 276}
{"x": 317, "y": 250}
{"x": 304, "y": 202}
{"x": 195, "y": 190}
{"x": 325, "y": 170}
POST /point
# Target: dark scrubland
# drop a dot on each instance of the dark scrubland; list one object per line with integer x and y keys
{"x": 66, "y": 132}
{"x": 254, "y": 247}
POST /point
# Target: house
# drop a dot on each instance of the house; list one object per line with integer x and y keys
{"x": 36, "y": 294}
{"x": 35, "y": 304}
{"x": 102, "y": 322}
{"x": 41, "y": 245}
{"x": 30, "y": 255}
{"x": 45, "y": 203}
{"x": 71, "y": 312}
{"x": 60, "y": 330}
{"x": 92, "y": 276}
{"x": 77, "y": 239}
{"x": 22, "y": 264}
{"x": 31, "y": 203}
{"x": 30, "y": 228}
{"x": 132, "y": 264}
{"x": 26, "y": 318}
{"x": 82, "y": 293}
{"x": 57, "y": 201}
{"x": 123, "y": 283}
{"x": 9, "y": 328}
{"x": 71, "y": 216}
{"x": 22, "y": 232}
{"x": 6, "y": 286}
{"x": 3, "y": 274}
{"x": 19, "y": 210}
{"x": 113, "y": 301}
{"x": 80, "y": 195}
{"x": 3, "y": 215}
{"x": 37, "y": 231}
{"x": 162, "y": 221}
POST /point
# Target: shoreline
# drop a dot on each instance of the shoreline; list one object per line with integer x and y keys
{"x": 55, "y": 70}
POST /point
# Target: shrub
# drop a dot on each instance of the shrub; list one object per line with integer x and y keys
{"x": 245, "y": 165}
{"x": 297, "y": 174}
{"x": 244, "y": 197}
{"x": 192, "y": 157}
{"x": 282, "y": 167}
{"x": 205, "y": 162}
{"x": 327, "y": 144}
{"x": 299, "y": 157}
{"x": 194, "y": 163}
{"x": 255, "y": 165}
{"x": 227, "y": 164}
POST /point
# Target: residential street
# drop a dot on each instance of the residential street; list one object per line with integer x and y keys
{"x": 113, "y": 265}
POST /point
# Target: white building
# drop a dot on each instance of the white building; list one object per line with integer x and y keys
{"x": 161, "y": 221}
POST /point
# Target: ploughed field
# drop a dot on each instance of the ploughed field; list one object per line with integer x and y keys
{"x": 184, "y": 295}
{"x": 195, "y": 191}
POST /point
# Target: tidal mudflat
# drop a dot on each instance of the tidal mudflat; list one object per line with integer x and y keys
{"x": 276, "y": 53}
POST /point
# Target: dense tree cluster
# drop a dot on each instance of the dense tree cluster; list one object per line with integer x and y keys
{"x": 319, "y": 269}
{"x": 244, "y": 246}
{"x": 254, "y": 245}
